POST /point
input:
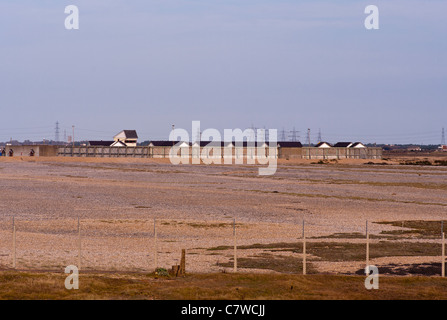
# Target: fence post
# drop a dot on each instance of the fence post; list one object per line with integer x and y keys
{"x": 155, "y": 245}
{"x": 79, "y": 244}
{"x": 13, "y": 243}
{"x": 304, "y": 251}
{"x": 367, "y": 245}
{"x": 235, "y": 246}
{"x": 183, "y": 263}
{"x": 443, "y": 256}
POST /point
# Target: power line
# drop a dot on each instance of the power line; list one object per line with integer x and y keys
{"x": 294, "y": 135}
{"x": 443, "y": 137}
{"x": 254, "y": 135}
{"x": 266, "y": 134}
{"x": 390, "y": 135}
{"x": 198, "y": 135}
{"x": 46, "y": 127}
{"x": 283, "y": 135}
{"x": 308, "y": 137}
{"x": 56, "y": 133}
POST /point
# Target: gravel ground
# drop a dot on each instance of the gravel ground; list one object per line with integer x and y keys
{"x": 117, "y": 201}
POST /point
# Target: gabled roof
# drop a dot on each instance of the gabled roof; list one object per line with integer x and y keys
{"x": 163, "y": 143}
{"x": 212, "y": 143}
{"x": 247, "y": 144}
{"x": 100, "y": 143}
{"x": 289, "y": 144}
{"x": 342, "y": 144}
{"x": 322, "y": 144}
{"x": 127, "y": 134}
{"x": 118, "y": 144}
{"x": 357, "y": 145}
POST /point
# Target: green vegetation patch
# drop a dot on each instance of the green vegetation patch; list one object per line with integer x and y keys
{"x": 417, "y": 228}
{"x": 416, "y": 163}
{"x": 345, "y": 251}
{"x": 268, "y": 261}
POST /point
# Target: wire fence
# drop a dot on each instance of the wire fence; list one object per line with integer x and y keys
{"x": 145, "y": 245}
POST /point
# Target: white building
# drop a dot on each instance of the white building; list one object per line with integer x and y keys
{"x": 323, "y": 145}
{"x": 126, "y": 138}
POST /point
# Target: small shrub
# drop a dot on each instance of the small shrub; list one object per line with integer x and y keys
{"x": 417, "y": 163}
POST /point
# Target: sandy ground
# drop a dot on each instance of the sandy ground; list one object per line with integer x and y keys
{"x": 194, "y": 206}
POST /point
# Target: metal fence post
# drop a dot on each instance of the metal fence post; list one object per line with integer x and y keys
{"x": 13, "y": 243}
{"x": 304, "y": 251}
{"x": 443, "y": 256}
{"x": 155, "y": 245}
{"x": 235, "y": 246}
{"x": 79, "y": 245}
{"x": 367, "y": 245}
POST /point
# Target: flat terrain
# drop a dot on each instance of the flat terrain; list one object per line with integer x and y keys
{"x": 117, "y": 201}
{"x": 14, "y": 285}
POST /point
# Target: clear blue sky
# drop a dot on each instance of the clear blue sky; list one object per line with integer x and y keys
{"x": 144, "y": 65}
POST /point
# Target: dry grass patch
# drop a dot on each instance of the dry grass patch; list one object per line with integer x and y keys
{"x": 416, "y": 228}
{"x": 268, "y": 261}
{"x": 344, "y": 251}
{"x": 18, "y": 285}
{"x": 358, "y": 198}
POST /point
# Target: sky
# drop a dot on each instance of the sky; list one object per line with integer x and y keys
{"x": 278, "y": 64}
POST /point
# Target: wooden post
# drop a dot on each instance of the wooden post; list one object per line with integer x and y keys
{"x": 183, "y": 263}
{"x": 443, "y": 256}
{"x": 367, "y": 245}
{"x": 304, "y": 251}
{"x": 13, "y": 243}
{"x": 179, "y": 269}
{"x": 235, "y": 246}
{"x": 79, "y": 244}
{"x": 155, "y": 245}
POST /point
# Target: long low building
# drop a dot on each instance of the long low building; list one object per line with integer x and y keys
{"x": 207, "y": 149}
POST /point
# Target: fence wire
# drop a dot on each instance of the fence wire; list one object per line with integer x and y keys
{"x": 143, "y": 245}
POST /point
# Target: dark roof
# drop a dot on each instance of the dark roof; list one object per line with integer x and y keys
{"x": 119, "y": 142}
{"x": 246, "y": 144}
{"x": 101, "y": 143}
{"x": 289, "y": 144}
{"x": 163, "y": 143}
{"x": 283, "y": 144}
{"x": 342, "y": 144}
{"x": 212, "y": 143}
{"x": 131, "y": 134}
{"x": 321, "y": 143}
{"x": 355, "y": 144}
